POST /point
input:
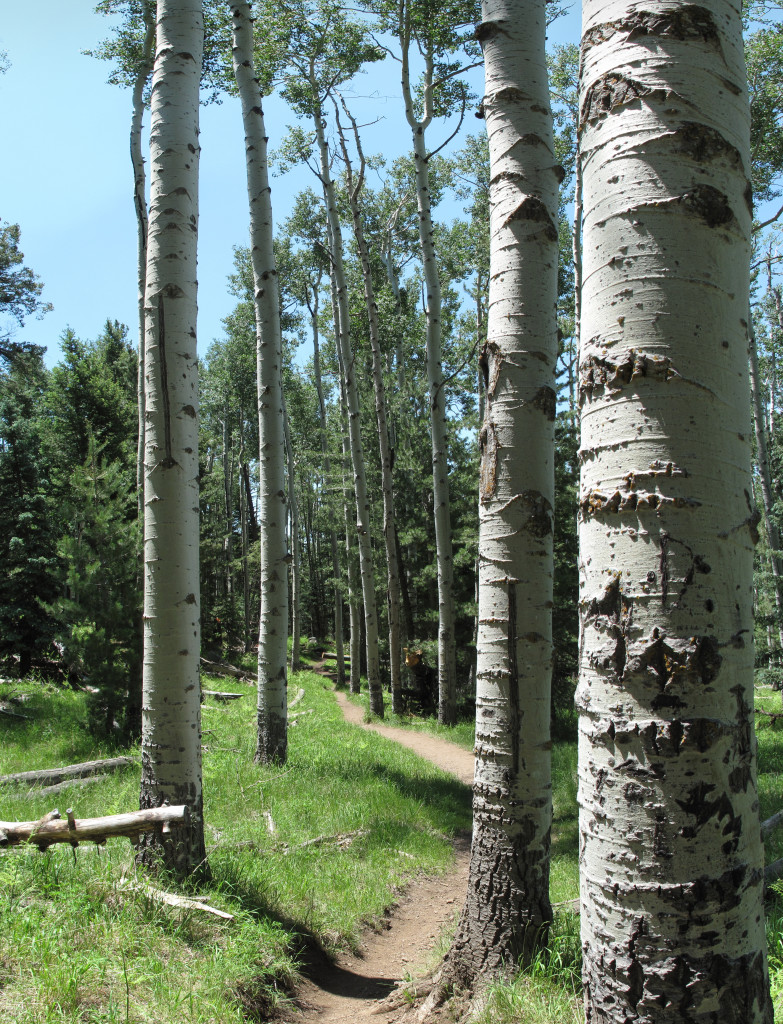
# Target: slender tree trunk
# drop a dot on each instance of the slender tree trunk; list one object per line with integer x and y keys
{"x": 296, "y": 631}
{"x": 338, "y": 597}
{"x": 171, "y": 716}
{"x": 387, "y": 489}
{"x": 447, "y": 669}
{"x": 142, "y": 225}
{"x": 507, "y": 908}
{"x": 671, "y": 857}
{"x": 228, "y": 539}
{"x": 765, "y": 479}
{"x": 354, "y": 427}
{"x": 272, "y": 714}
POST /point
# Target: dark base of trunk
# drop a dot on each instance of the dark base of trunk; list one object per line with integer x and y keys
{"x": 181, "y": 852}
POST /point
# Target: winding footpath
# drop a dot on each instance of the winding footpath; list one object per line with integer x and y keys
{"x": 350, "y": 990}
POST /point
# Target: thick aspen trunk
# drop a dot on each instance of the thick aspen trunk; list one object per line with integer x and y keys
{"x": 171, "y": 714}
{"x": 387, "y": 489}
{"x": 671, "y": 856}
{"x": 272, "y": 716}
{"x": 354, "y": 427}
{"x": 507, "y": 907}
{"x": 447, "y": 670}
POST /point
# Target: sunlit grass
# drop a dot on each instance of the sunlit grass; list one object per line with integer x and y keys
{"x": 77, "y": 944}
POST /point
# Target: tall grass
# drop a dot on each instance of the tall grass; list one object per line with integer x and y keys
{"x": 77, "y": 943}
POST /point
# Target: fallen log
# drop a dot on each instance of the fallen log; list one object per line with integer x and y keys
{"x": 221, "y": 695}
{"x": 771, "y": 823}
{"x": 222, "y": 668}
{"x": 299, "y": 694}
{"x": 52, "y": 829}
{"x": 90, "y": 780}
{"x": 51, "y": 776}
{"x": 173, "y": 899}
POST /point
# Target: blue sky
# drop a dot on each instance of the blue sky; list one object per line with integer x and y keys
{"x": 65, "y": 177}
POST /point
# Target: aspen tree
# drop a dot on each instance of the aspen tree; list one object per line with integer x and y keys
{"x": 507, "y": 907}
{"x": 272, "y": 714}
{"x": 171, "y": 712}
{"x": 671, "y": 856}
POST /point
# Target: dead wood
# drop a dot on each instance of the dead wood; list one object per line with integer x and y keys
{"x": 771, "y": 823}
{"x": 772, "y": 872}
{"x": 341, "y": 839}
{"x": 67, "y": 784}
{"x": 222, "y": 668}
{"x": 52, "y": 829}
{"x": 773, "y": 716}
{"x": 221, "y": 695}
{"x": 299, "y": 694}
{"x": 4, "y": 710}
{"x": 173, "y": 899}
{"x": 51, "y": 776}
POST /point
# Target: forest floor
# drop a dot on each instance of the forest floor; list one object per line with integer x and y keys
{"x": 349, "y": 990}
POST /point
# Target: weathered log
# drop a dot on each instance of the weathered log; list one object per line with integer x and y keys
{"x": 90, "y": 780}
{"x": 51, "y": 776}
{"x": 173, "y": 899}
{"x": 52, "y": 829}
{"x": 221, "y": 695}
{"x": 772, "y": 872}
{"x": 299, "y": 694}
{"x": 222, "y": 668}
{"x": 771, "y": 823}
{"x": 14, "y": 714}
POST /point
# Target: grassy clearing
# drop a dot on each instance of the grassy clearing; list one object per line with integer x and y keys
{"x": 77, "y": 945}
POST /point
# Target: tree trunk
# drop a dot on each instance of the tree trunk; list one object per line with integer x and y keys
{"x": 765, "y": 478}
{"x": 272, "y": 718}
{"x": 671, "y": 855}
{"x": 354, "y": 427}
{"x": 389, "y": 528}
{"x": 507, "y": 908}
{"x": 171, "y": 714}
{"x": 447, "y": 669}
{"x": 338, "y": 595}
{"x": 296, "y": 630}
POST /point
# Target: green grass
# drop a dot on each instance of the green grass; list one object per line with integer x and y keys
{"x": 77, "y": 945}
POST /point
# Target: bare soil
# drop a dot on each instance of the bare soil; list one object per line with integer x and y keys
{"x": 350, "y": 989}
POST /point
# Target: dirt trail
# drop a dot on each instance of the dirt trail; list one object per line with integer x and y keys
{"x": 349, "y": 991}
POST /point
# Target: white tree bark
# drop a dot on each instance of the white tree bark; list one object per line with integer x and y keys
{"x": 327, "y": 468}
{"x": 447, "y": 670}
{"x": 296, "y": 629}
{"x": 354, "y": 426}
{"x": 140, "y": 205}
{"x": 171, "y": 713}
{"x": 354, "y": 187}
{"x": 507, "y": 908}
{"x": 671, "y": 857}
{"x": 272, "y": 717}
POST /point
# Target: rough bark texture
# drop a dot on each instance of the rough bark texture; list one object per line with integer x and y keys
{"x": 447, "y": 670}
{"x": 171, "y": 713}
{"x": 272, "y": 716}
{"x": 507, "y": 908}
{"x": 671, "y": 865}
